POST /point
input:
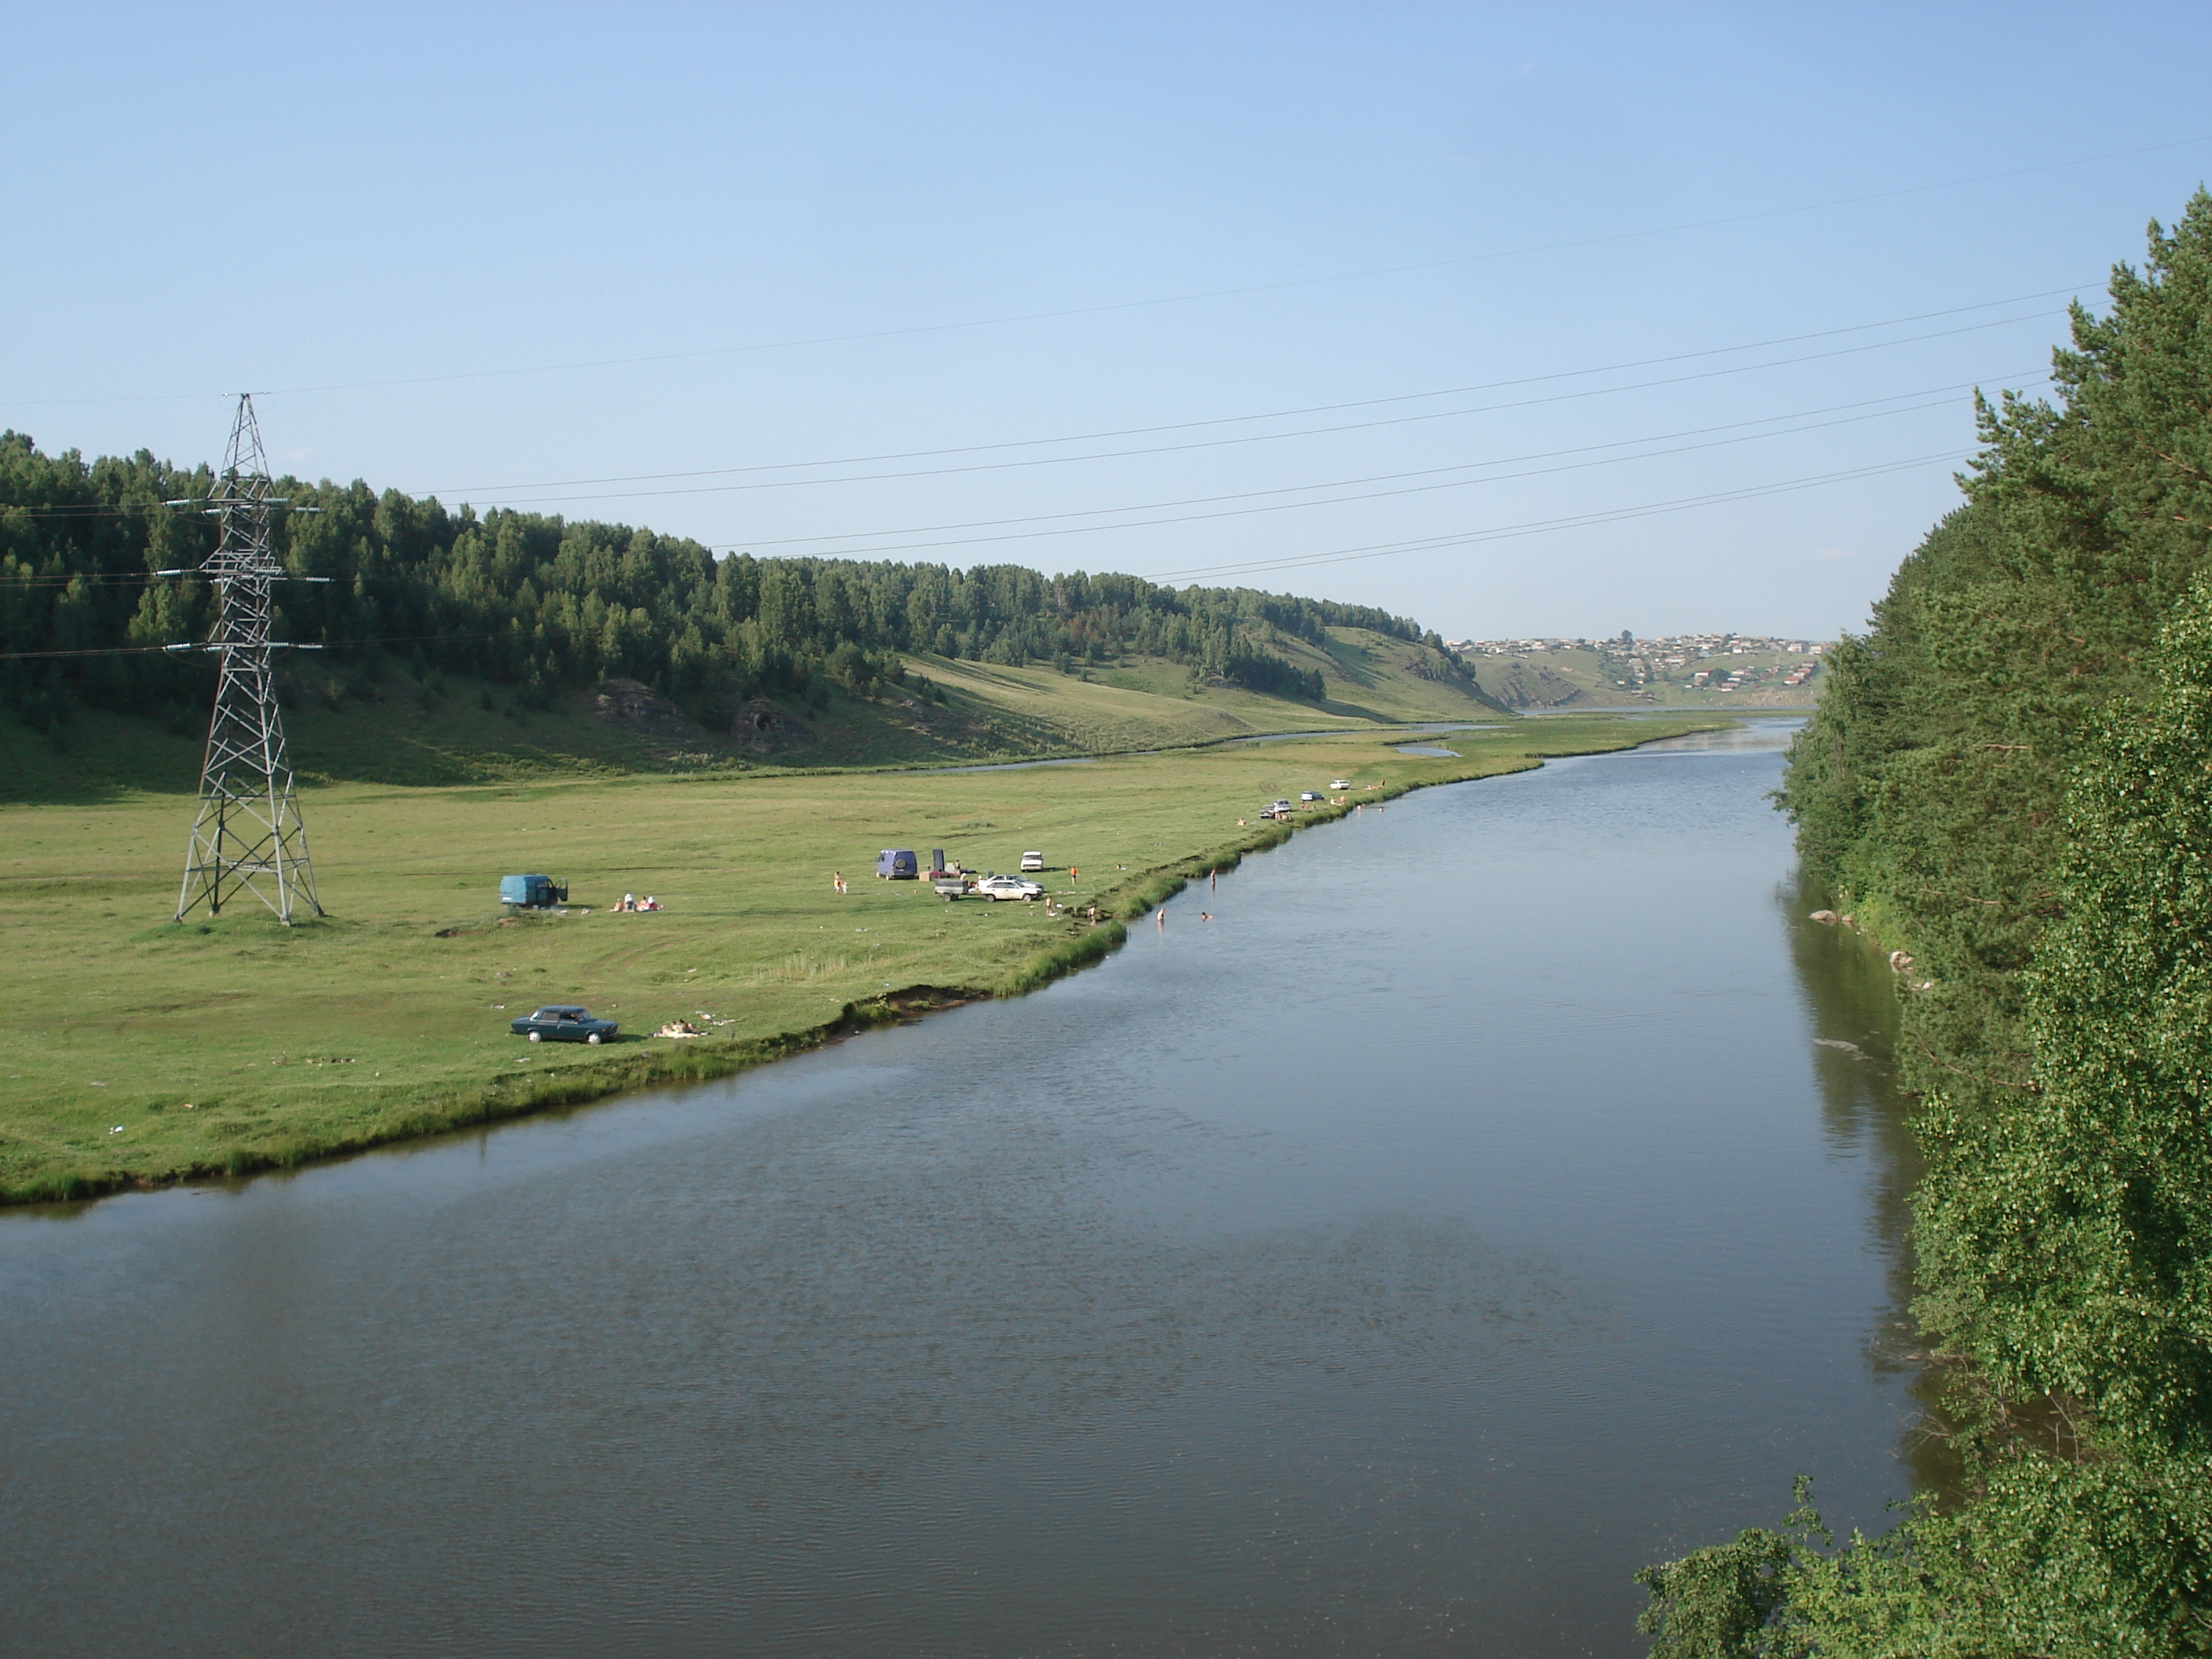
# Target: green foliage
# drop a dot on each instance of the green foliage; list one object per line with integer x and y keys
{"x": 2073, "y": 1231}
{"x": 1927, "y": 787}
{"x": 535, "y": 601}
{"x": 2010, "y": 777}
{"x": 1718, "y": 1602}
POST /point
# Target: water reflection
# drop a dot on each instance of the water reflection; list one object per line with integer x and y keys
{"x": 1850, "y": 993}
{"x": 1463, "y": 1217}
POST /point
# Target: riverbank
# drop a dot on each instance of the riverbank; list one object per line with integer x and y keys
{"x": 146, "y": 1052}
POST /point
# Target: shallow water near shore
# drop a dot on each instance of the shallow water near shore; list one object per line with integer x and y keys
{"x": 1468, "y": 1213}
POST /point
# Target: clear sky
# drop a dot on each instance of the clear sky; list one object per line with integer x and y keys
{"x": 550, "y": 257}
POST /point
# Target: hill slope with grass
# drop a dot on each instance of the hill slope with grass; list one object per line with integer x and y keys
{"x": 452, "y": 647}
{"x": 396, "y": 722}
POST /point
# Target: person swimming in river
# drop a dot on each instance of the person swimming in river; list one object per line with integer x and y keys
{"x": 1204, "y": 917}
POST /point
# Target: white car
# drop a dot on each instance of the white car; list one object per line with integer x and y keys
{"x": 1007, "y": 887}
{"x": 1340, "y": 783}
{"x": 1032, "y": 861}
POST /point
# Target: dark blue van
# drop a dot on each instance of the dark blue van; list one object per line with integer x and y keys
{"x": 897, "y": 864}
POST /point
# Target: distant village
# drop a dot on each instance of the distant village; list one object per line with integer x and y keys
{"x": 1694, "y": 661}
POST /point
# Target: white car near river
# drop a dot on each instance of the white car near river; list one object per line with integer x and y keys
{"x": 1008, "y": 887}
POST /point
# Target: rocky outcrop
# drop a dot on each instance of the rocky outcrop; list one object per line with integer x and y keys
{"x": 764, "y": 727}
{"x": 626, "y": 702}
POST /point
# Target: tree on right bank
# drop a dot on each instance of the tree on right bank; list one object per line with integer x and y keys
{"x": 2010, "y": 780}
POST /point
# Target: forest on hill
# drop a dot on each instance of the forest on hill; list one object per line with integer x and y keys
{"x": 2010, "y": 783}
{"x": 539, "y": 602}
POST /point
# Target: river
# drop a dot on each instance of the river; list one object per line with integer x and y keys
{"x": 1468, "y": 1213}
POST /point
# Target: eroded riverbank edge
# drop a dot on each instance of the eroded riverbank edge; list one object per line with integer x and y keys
{"x": 666, "y": 1061}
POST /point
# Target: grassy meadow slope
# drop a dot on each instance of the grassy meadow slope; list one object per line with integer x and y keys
{"x": 423, "y": 727}
{"x": 143, "y": 1050}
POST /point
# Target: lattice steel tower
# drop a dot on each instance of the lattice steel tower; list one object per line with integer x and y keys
{"x": 248, "y": 837}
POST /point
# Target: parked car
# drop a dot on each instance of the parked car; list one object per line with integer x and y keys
{"x": 1309, "y": 794}
{"x": 1008, "y": 887}
{"x": 1032, "y": 861}
{"x": 1282, "y": 807}
{"x": 897, "y": 864}
{"x": 1268, "y": 811}
{"x": 564, "y": 1022}
{"x": 532, "y": 892}
{"x": 1340, "y": 783}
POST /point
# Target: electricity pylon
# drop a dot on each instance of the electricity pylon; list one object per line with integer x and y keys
{"x": 248, "y": 836}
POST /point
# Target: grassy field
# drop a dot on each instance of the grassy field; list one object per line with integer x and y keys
{"x": 143, "y": 1051}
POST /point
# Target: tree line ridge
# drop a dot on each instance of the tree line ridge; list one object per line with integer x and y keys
{"x": 539, "y": 601}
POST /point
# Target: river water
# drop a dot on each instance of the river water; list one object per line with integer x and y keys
{"x": 1476, "y": 1208}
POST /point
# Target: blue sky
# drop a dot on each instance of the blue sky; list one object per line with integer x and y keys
{"x": 551, "y": 257}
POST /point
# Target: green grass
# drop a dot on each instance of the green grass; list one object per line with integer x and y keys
{"x": 393, "y": 727}
{"x": 142, "y": 1051}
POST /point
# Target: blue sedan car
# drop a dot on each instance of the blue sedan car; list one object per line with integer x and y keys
{"x": 562, "y": 1022}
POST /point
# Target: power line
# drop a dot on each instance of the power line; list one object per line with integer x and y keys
{"x": 467, "y": 491}
{"x": 76, "y": 512}
{"x": 1539, "y": 526}
{"x": 1229, "y": 573}
{"x": 342, "y": 645}
{"x": 1568, "y": 246}
{"x": 1225, "y": 573}
{"x": 1935, "y": 392}
{"x": 1422, "y": 472}
{"x": 1261, "y": 437}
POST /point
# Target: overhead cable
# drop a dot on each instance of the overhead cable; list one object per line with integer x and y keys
{"x": 471, "y": 490}
{"x": 1539, "y": 526}
{"x": 1422, "y": 472}
{"x": 1567, "y": 246}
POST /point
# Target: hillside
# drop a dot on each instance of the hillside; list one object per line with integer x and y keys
{"x": 391, "y": 721}
{"x": 451, "y": 646}
{"x": 1722, "y": 673}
